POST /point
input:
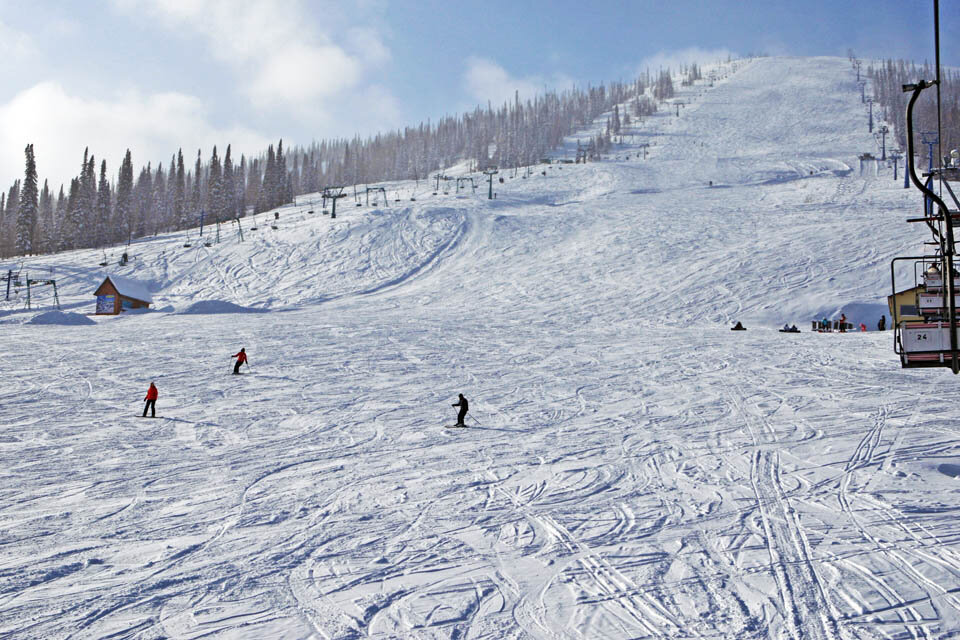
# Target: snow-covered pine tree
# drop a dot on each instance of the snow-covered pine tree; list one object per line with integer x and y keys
{"x": 180, "y": 213}
{"x": 27, "y": 215}
{"x": 240, "y": 188}
{"x": 123, "y": 211}
{"x": 104, "y": 235}
{"x": 161, "y": 214}
{"x": 228, "y": 187}
{"x": 196, "y": 201}
{"x": 68, "y": 229}
{"x": 86, "y": 204}
{"x": 215, "y": 188}
{"x": 143, "y": 203}
{"x": 280, "y": 180}
{"x": 269, "y": 185}
{"x": 45, "y": 220}
{"x": 8, "y": 228}
{"x": 56, "y": 221}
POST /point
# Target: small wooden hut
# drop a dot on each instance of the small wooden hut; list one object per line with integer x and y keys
{"x": 117, "y": 294}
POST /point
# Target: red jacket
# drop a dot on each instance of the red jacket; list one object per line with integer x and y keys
{"x": 152, "y": 393}
{"x": 241, "y": 357}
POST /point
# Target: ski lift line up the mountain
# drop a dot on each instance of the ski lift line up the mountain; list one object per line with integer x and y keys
{"x": 929, "y": 337}
{"x": 376, "y": 190}
{"x": 464, "y": 180}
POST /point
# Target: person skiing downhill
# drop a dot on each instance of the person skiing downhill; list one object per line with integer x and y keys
{"x": 151, "y": 401}
{"x": 241, "y": 358}
{"x": 462, "y": 403}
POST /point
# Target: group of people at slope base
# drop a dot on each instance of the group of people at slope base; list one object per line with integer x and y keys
{"x": 825, "y": 325}
{"x": 822, "y": 326}
{"x": 150, "y": 401}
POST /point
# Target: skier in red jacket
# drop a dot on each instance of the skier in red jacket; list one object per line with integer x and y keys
{"x": 151, "y": 401}
{"x": 241, "y": 358}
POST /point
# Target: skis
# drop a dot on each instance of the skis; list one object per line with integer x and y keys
{"x": 454, "y": 426}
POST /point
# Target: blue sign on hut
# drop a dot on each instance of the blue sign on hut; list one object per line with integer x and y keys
{"x": 117, "y": 294}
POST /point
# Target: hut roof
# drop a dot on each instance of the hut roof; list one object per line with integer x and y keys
{"x": 130, "y": 288}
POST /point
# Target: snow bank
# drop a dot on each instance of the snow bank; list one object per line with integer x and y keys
{"x": 60, "y": 318}
{"x": 218, "y": 306}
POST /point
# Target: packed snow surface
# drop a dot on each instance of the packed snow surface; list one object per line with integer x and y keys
{"x": 60, "y": 317}
{"x": 632, "y": 468}
{"x": 217, "y": 306}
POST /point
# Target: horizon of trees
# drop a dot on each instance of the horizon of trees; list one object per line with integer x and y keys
{"x": 105, "y": 210}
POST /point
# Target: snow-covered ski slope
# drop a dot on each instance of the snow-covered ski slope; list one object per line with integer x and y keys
{"x": 634, "y": 468}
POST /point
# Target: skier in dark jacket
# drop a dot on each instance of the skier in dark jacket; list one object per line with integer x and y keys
{"x": 151, "y": 401}
{"x": 882, "y": 325}
{"x": 241, "y": 358}
{"x": 462, "y": 403}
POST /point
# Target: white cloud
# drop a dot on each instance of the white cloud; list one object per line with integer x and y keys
{"x": 486, "y": 80}
{"x": 151, "y": 126}
{"x": 674, "y": 59}
{"x": 274, "y": 47}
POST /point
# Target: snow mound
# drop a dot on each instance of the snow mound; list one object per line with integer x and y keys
{"x": 60, "y": 318}
{"x": 218, "y": 306}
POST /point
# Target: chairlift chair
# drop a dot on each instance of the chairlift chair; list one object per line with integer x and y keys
{"x": 928, "y": 337}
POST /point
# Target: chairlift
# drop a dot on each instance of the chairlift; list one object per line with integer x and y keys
{"x": 926, "y": 332}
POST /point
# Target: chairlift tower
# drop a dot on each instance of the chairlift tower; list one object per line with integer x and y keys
{"x": 931, "y": 139}
{"x": 490, "y": 172}
{"x": 870, "y": 109}
{"x": 333, "y": 193}
{"x": 32, "y": 282}
{"x": 895, "y": 158}
{"x": 883, "y": 144}
{"x": 13, "y": 279}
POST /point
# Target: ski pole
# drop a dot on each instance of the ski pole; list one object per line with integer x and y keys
{"x": 475, "y": 420}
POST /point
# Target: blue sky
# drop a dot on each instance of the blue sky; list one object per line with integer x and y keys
{"x": 155, "y": 75}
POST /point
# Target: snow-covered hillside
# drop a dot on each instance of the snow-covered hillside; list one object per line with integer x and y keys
{"x": 632, "y": 469}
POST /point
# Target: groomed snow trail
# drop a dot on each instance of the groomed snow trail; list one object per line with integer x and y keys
{"x": 634, "y": 468}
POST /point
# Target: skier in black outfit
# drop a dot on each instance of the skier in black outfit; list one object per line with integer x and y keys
{"x": 462, "y": 403}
